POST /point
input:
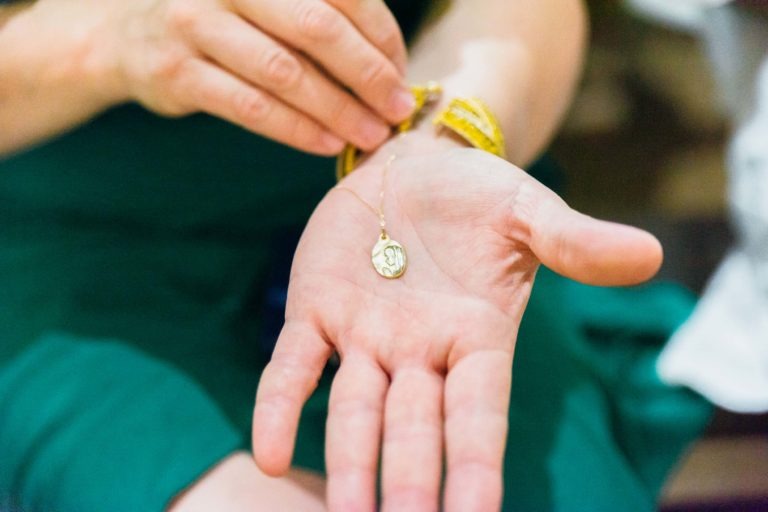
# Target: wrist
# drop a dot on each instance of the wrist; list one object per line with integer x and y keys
{"x": 76, "y": 59}
{"x": 461, "y": 122}
{"x": 423, "y": 140}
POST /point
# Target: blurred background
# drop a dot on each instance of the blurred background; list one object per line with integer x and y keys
{"x": 645, "y": 143}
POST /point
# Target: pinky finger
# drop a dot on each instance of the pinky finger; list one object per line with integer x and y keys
{"x": 216, "y": 92}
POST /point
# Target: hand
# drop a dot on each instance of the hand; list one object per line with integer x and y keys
{"x": 426, "y": 359}
{"x": 280, "y": 68}
{"x": 236, "y": 484}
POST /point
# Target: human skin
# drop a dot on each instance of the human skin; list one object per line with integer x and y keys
{"x": 237, "y": 485}
{"x": 271, "y": 66}
{"x": 62, "y": 62}
{"x": 426, "y": 359}
{"x": 522, "y": 58}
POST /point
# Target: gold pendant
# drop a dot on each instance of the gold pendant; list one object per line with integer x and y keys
{"x": 388, "y": 257}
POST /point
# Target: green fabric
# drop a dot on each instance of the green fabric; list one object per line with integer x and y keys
{"x": 591, "y": 426}
{"x": 133, "y": 258}
{"x": 81, "y": 417}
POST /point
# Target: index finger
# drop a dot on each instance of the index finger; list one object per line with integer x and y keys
{"x": 377, "y": 23}
{"x": 477, "y": 392}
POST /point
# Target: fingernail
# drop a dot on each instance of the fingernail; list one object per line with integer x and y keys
{"x": 373, "y": 132}
{"x": 332, "y": 142}
{"x": 402, "y": 103}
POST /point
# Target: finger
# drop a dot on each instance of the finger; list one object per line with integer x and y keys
{"x": 216, "y": 92}
{"x": 376, "y": 22}
{"x": 583, "y": 248}
{"x": 286, "y": 383}
{"x": 353, "y": 435}
{"x": 413, "y": 440}
{"x": 329, "y": 38}
{"x": 476, "y": 402}
{"x": 248, "y": 52}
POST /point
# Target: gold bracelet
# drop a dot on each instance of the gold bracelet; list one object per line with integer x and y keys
{"x": 423, "y": 95}
{"x": 469, "y": 118}
{"x": 472, "y": 120}
{"x": 388, "y": 256}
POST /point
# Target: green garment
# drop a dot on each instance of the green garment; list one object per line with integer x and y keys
{"x": 134, "y": 253}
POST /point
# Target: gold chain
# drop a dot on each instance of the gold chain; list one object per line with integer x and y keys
{"x": 388, "y": 257}
{"x": 379, "y": 212}
{"x": 423, "y": 96}
{"x": 470, "y": 118}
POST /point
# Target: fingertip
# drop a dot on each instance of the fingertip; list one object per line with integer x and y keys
{"x": 271, "y": 458}
{"x": 627, "y": 256}
{"x": 371, "y": 133}
{"x": 270, "y": 451}
{"x": 401, "y": 104}
{"x": 596, "y": 252}
{"x": 639, "y": 258}
{"x": 650, "y": 265}
{"x": 323, "y": 146}
{"x": 331, "y": 144}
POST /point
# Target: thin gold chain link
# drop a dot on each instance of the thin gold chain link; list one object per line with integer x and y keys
{"x": 380, "y": 211}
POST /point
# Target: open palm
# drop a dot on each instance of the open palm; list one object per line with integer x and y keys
{"x": 426, "y": 358}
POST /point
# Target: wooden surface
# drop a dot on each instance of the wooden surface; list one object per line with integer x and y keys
{"x": 721, "y": 470}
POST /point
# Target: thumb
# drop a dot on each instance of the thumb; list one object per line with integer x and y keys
{"x": 592, "y": 251}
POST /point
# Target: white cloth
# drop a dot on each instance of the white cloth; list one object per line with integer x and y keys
{"x": 683, "y": 14}
{"x": 722, "y": 351}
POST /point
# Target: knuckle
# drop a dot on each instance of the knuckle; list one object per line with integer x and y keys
{"x": 276, "y": 400}
{"x": 374, "y": 72}
{"x": 475, "y": 464}
{"x": 415, "y": 495}
{"x": 276, "y": 389}
{"x": 192, "y": 92}
{"x": 342, "y": 115}
{"x": 182, "y": 16}
{"x": 170, "y": 108}
{"x": 390, "y": 40}
{"x": 286, "y": 369}
{"x": 174, "y": 108}
{"x": 281, "y": 69}
{"x": 303, "y": 131}
{"x": 521, "y": 210}
{"x": 354, "y": 408}
{"x": 424, "y": 433}
{"x": 166, "y": 65}
{"x": 317, "y": 21}
{"x": 251, "y": 106}
{"x": 345, "y": 4}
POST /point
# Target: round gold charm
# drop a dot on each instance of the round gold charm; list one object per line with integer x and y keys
{"x": 388, "y": 258}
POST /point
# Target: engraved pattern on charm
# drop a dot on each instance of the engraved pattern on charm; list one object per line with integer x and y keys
{"x": 388, "y": 258}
